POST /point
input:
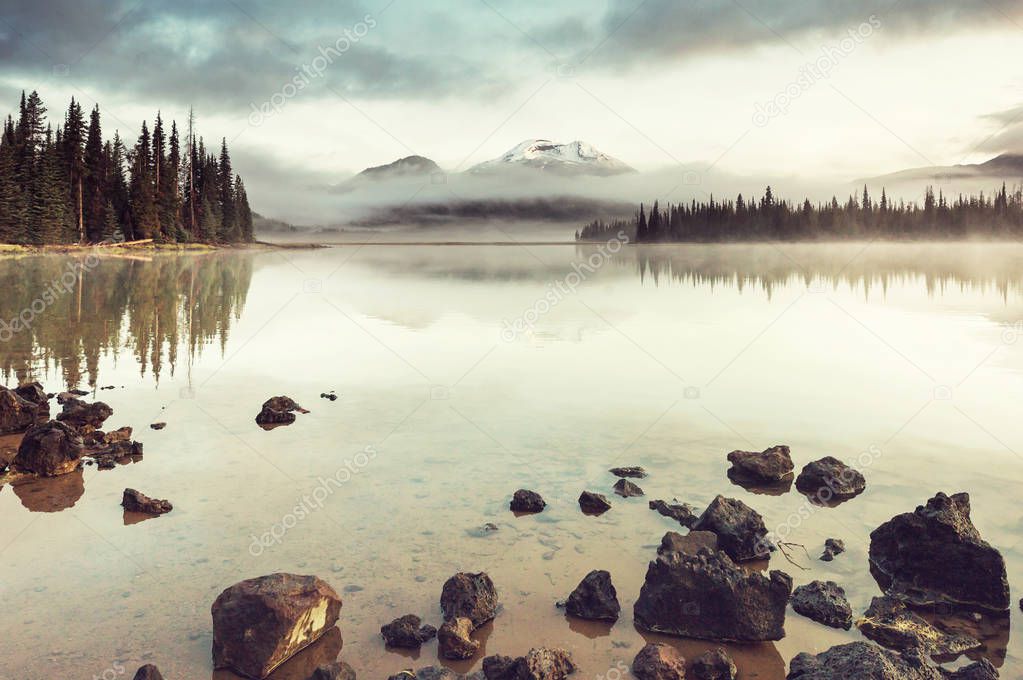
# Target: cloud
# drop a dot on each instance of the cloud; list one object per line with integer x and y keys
{"x": 1008, "y": 135}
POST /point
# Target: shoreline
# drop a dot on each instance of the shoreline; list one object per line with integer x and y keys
{"x": 10, "y": 249}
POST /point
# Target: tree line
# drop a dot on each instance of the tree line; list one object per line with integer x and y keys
{"x": 996, "y": 215}
{"x": 69, "y": 185}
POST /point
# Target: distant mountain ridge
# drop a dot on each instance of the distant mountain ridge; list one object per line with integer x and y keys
{"x": 1008, "y": 167}
{"x": 574, "y": 158}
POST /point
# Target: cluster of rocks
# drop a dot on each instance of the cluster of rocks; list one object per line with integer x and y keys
{"x": 277, "y": 411}
{"x": 658, "y": 661}
{"x": 826, "y": 481}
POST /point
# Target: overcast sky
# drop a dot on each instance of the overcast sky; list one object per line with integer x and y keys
{"x": 893, "y": 84}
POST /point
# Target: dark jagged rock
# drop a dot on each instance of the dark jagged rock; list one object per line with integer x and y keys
{"x": 862, "y": 661}
{"x": 455, "y": 641}
{"x": 890, "y": 623}
{"x": 338, "y": 670}
{"x": 740, "y": 529}
{"x": 34, "y": 393}
{"x": 148, "y": 672}
{"x": 823, "y": 602}
{"x": 683, "y": 513}
{"x": 627, "y": 489}
{"x": 158, "y": 426}
{"x": 539, "y": 664}
{"x": 708, "y": 596}
{"x": 17, "y": 414}
{"x": 934, "y": 555}
{"x": 829, "y": 479}
{"x": 79, "y": 414}
{"x": 978, "y": 670}
{"x": 51, "y": 449}
{"x": 525, "y": 500}
{"x": 770, "y": 465}
{"x": 122, "y": 434}
{"x": 690, "y": 544}
{"x": 658, "y": 661}
{"x": 713, "y": 665}
{"x": 593, "y": 503}
{"x": 434, "y": 673}
{"x": 133, "y": 501}
{"x": 594, "y": 598}
{"x": 832, "y": 548}
{"x": 470, "y": 595}
{"x": 407, "y": 632}
{"x": 634, "y": 472}
{"x": 260, "y": 623}
{"x": 278, "y": 411}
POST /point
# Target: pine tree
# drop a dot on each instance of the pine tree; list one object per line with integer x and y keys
{"x": 144, "y": 218}
{"x": 225, "y": 178}
{"x": 73, "y": 160}
{"x": 95, "y": 190}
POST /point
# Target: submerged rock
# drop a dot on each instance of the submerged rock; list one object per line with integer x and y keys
{"x": 832, "y": 547}
{"x": 594, "y": 598}
{"x": 890, "y": 623}
{"x": 455, "y": 641}
{"x": 133, "y": 501}
{"x": 278, "y": 411}
{"x": 148, "y": 672}
{"x": 713, "y": 665}
{"x": 525, "y": 500}
{"x": 538, "y": 664}
{"x": 158, "y": 426}
{"x": 49, "y": 450}
{"x": 407, "y": 632}
{"x": 470, "y": 595}
{"x": 260, "y": 623}
{"x": 79, "y": 414}
{"x": 627, "y": 489}
{"x": 709, "y": 597}
{"x": 434, "y": 673}
{"x": 934, "y": 555}
{"x": 740, "y": 529}
{"x": 635, "y": 472}
{"x": 593, "y": 503}
{"x": 17, "y": 413}
{"x": 829, "y": 479}
{"x": 682, "y": 513}
{"x": 823, "y": 602}
{"x": 658, "y": 661}
{"x": 770, "y": 465}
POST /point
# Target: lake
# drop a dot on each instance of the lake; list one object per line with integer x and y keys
{"x": 463, "y": 373}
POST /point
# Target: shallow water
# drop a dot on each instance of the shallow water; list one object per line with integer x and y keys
{"x": 456, "y": 386}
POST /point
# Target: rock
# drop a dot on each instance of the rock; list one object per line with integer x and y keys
{"x": 684, "y": 513}
{"x": 627, "y": 489}
{"x": 635, "y": 472}
{"x": 934, "y": 555}
{"x": 260, "y": 623}
{"x": 862, "y": 661}
{"x": 829, "y": 479}
{"x": 594, "y": 598}
{"x": 49, "y": 450}
{"x": 148, "y": 672}
{"x": 122, "y": 434}
{"x": 158, "y": 426}
{"x": 17, "y": 414}
{"x": 593, "y": 503}
{"x": 832, "y": 547}
{"x": 978, "y": 670}
{"x": 770, "y": 465}
{"x": 690, "y": 544}
{"x": 470, "y": 595}
{"x": 890, "y": 623}
{"x": 539, "y": 664}
{"x": 407, "y": 632}
{"x": 331, "y": 396}
{"x": 133, "y": 501}
{"x": 338, "y": 670}
{"x": 713, "y": 665}
{"x": 278, "y": 411}
{"x": 454, "y": 641}
{"x": 434, "y": 673}
{"x": 79, "y": 414}
{"x": 823, "y": 602}
{"x": 658, "y": 661}
{"x": 525, "y": 500}
{"x": 34, "y": 393}
{"x": 707, "y": 596}
{"x": 740, "y": 529}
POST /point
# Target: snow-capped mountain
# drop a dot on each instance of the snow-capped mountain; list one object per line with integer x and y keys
{"x": 574, "y": 158}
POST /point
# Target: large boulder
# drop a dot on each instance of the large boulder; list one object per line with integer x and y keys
{"x": 823, "y": 602}
{"x": 658, "y": 661}
{"x": 770, "y": 465}
{"x": 829, "y": 479}
{"x": 472, "y": 596}
{"x": 260, "y": 623}
{"x": 864, "y": 661}
{"x": 934, "y": 555}
{"x": 407, "y": 632}
{"x": 538, "y": 664}
{"x": 79, "y": 414}
{"x": 890, "y": 623}
{"x": 148, "y": 672}
{"x": 740, "y": 529}
{"x": 709, "y": 597}
{"x": 17, "y": 414}
{"x": 49, "y": 450}
{"x": 594, "y": 598}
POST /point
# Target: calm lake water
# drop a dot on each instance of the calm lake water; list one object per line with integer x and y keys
{"x": 462, "y": 374}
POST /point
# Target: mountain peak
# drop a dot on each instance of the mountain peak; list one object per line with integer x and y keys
{"x": 573, "y": 158}
{"x": 409, "y": 165}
